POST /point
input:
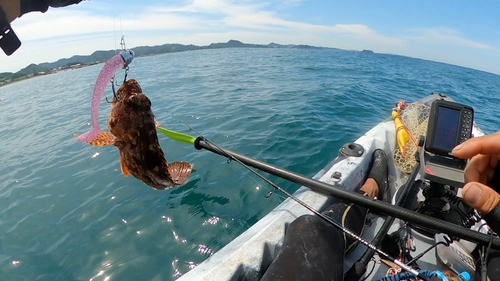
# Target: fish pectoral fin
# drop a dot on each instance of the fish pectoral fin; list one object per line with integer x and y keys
{"x": 179, "y": 171}
{"x": 102, "y": 139}
{"x": 124, "y": 169}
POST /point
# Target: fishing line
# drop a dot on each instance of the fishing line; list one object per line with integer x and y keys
{"x": 311, "y": 209}
{"x": 122, "y": 46}
{"x": 114, "y": 23}
{"x": 114, "y": 32}
{"x": 269, "y": 191}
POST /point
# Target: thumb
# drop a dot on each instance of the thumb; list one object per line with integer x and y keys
{"x": 480, "y": 197}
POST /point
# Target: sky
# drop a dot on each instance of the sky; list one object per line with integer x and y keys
{"x": 464, "y": 33}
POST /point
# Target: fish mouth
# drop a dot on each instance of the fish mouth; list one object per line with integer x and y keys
{"x": 128, "y": 89}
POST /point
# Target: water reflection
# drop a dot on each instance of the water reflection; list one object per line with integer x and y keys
{"x": 100, "y": 277}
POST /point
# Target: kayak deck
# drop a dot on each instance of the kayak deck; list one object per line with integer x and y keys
{"x": 248, "y": 255}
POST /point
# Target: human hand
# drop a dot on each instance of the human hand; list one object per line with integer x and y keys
{"x": 484, "y": 152}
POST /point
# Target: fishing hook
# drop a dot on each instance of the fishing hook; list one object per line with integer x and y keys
{"x": 126, "y": 73}
{"x": 113, "y": 88}
{"x": 113, "y": 82}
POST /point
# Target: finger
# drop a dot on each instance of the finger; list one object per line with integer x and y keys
{"x": 489, "y": 144}
{"x": 480, "y": 197}
{"x": 477, "y": 169}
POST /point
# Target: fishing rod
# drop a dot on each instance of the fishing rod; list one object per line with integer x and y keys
{"x": 330, "y": 190}
{"x": 322, "y": 216}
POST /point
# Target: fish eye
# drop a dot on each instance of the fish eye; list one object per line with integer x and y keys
{"x": 132, "y": 100}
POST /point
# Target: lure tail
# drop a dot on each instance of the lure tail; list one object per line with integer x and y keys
{"x": 101, "y": 138}
{"x": 90, "y": 135}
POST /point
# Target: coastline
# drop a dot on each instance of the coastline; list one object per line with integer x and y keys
{"x": 97, "y": 57}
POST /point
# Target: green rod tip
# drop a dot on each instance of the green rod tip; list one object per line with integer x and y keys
{"x": 177, "y": 136}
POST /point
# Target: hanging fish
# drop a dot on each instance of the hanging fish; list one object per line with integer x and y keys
{"x": 133, "y": 126}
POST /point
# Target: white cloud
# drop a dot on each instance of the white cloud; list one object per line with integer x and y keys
{"x": 445, "y": 36}
{"x": 364, "y": 34}
{"x": 86, "y": 28}
{"x": 198, "y": 16}
{"x": 78, "y": 23}
{"x": 79, "y": 29}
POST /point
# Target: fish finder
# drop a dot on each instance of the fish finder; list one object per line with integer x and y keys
{"x": 450, "y": 124}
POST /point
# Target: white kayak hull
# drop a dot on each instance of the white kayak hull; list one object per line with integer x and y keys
{"x": 246, "y": 256}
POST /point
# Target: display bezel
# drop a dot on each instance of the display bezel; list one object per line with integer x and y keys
{"x": 435, "y": 131}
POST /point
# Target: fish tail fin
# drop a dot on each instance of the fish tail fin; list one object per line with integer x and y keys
{"x": 102, "y": 139}
{"x": 179, "y": 171}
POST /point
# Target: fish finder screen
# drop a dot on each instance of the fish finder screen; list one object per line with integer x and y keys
{"x": 446, "y": 128}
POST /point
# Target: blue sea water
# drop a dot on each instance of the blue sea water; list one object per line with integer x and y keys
{"x": 67, "y": 212}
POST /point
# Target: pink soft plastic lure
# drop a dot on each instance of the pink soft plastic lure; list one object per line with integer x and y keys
{"x": 122, "y": 60}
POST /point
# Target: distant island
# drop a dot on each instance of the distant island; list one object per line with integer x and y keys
{"x": 102, "y": 56}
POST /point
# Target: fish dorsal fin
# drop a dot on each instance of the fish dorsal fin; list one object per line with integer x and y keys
{"x": 122, "y": 166}
{"x": 179, "y": 171}
{"x": 102, "y": 139}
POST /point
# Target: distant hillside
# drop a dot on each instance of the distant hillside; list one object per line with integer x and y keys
{"x": 232, "y": 44}
{"x": 101, "y": 56}
{"x": 33, "y": 68}
{"x": 97, "y": 56}
{"x": 27, "y": 72}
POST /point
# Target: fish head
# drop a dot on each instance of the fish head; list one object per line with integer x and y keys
{"x": 130, "y": 95}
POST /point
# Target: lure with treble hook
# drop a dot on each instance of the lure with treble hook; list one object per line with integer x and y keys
{"x": 120, "y": 61}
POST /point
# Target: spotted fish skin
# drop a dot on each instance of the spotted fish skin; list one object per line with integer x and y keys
{"x": 132, "y": 123}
